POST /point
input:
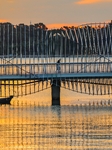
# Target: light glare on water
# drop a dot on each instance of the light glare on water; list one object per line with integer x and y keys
{"x": 38, "y": 126}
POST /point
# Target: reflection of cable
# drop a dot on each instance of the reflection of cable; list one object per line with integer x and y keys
{"x": 100, "y": 56}
{"x": 88, "y": 64}
{"x": 21, "y": 83}
{"x": 105, "y": 58}
{"x": 85, "y": 92}
{"x": 75, "y": 81}
{"x": 9, "y": 61}
{"x": 29, "y": 84}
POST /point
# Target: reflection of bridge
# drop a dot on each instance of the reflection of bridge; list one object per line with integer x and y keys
{"x": 29, "y": 56}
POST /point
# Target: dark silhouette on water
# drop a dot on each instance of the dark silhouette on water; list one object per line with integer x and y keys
{"x": 58, "y": 68}
{"x": 6, "y": 100}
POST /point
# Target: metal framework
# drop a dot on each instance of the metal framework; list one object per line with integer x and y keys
{"x": 32, "y": 52}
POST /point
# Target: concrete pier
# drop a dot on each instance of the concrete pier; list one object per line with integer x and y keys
{"x": 55, "y": 92}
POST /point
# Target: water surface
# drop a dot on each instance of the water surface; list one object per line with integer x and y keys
{"x": 38, "y": 126}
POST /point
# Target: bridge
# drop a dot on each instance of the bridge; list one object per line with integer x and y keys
{"x": 29, "y": 55}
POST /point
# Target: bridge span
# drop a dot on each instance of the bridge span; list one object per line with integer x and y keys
{"x": 56, "y": 76}
{"x": 97, "y": 81}
{"x": 33, "y": 58}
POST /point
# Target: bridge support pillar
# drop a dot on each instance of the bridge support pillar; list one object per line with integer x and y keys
{"x": 55, "y": 92}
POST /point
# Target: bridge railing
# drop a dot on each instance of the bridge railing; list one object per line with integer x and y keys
{"x": 51, "y": 68}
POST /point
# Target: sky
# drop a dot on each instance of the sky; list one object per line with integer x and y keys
{"x": 55, "y": 13}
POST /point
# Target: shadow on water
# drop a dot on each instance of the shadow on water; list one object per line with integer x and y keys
{"x": 56, "y": 110}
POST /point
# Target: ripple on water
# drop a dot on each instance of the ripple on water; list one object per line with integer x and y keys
{"x": 56, "y": 127}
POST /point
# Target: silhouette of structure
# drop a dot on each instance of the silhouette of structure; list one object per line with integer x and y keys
{"x": 28, "y": 56}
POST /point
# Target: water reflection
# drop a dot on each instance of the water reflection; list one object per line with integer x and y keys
{"x": 33, "y": 127}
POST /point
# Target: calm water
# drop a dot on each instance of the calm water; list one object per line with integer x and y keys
{"x": 31, "y": 123}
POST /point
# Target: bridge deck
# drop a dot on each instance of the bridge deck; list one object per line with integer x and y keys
{"x": 56, "y": 76}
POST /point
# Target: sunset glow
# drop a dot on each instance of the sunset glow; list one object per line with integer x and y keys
{"x": 52, "y": 26}
{"x": 55, "y": 14}
{"x": 3, "y": 20}
{"x": 91, "y": 1}
{"x": 55, "y": 74}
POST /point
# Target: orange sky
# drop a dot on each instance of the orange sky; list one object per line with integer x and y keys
{"x": 55, "y": 14}
{"x": 59, "y": 25}
{"x": 91, "y": 1}
{"x": 52, "y": 26}
{"x": 3, "y": 20}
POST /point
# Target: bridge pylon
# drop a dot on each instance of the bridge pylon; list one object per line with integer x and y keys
{"x": 55, "y": 92}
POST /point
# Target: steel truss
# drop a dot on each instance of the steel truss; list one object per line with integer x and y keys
{"x": 30, "y": 50}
